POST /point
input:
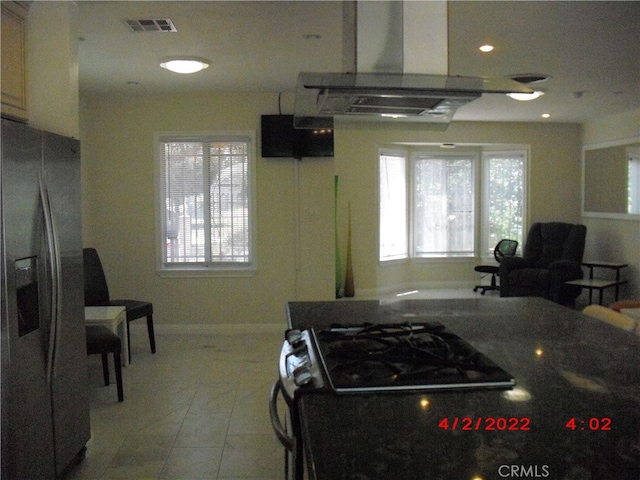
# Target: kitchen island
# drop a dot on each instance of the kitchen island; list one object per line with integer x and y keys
{"x": 573, "y": 414}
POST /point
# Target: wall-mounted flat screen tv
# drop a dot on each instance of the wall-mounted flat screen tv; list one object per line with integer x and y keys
{"x": 280, "y": 139}
{"x": 277, "y": 136}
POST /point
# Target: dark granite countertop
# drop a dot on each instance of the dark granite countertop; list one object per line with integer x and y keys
{"x": 567, "y": 366}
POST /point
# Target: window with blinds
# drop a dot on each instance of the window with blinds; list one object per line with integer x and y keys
{"x": 444, "y": 205}
{"x": 205, "y": 203}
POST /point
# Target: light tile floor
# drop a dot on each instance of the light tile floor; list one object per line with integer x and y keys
{"x": 197, "y": 409}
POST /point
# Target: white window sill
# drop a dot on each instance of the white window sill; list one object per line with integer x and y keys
{"x": 200, "y": 272}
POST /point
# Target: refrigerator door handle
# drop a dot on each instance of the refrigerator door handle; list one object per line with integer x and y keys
{"x": 53, "y": 249}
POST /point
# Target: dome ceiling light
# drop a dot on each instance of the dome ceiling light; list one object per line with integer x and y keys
{"x": 528, "y": 79}
{"x": 525, "y": 97}
{"x": 184, "y": 64}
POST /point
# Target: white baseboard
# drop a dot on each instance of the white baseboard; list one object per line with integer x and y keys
{"x": 383, "y": 293}
{"x": 221, "y": 329}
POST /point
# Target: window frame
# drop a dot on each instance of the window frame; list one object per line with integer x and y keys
{"x": 395, "y": 152}
{"x": 486, "y": 247}
{"x": 633, "y": 188}
{"x": 209, "y": 268}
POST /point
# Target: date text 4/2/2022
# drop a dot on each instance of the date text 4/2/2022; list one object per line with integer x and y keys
{"x": 486, "y": 423}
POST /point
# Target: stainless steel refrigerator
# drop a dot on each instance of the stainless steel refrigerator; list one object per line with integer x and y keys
{"x": 45, "y": 395}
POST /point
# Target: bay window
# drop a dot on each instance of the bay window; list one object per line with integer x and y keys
{"x": 453, "y": 204}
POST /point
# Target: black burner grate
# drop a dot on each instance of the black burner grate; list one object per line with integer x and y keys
{"x": 402, "y": 356}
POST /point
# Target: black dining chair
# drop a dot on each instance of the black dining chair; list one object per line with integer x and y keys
{"x": 102, "y": 341}
{"x": 96, "y": 293}
{"x": 504, "y": 247}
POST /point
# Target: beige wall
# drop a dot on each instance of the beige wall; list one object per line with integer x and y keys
{"x": 119, "y": 211}
{"x": 52, "y": 65}
{"x": 295, "y": 233}
{"x": 611, "y": 239}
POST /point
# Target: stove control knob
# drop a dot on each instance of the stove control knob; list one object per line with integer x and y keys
{"x": 302, "y": 375}
{"x": 294, "y": 337}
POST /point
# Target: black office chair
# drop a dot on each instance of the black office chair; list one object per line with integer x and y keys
{"x": 505, "y": 247}
{"x": 102, "y": 341}
{"x": 96, "y": 293}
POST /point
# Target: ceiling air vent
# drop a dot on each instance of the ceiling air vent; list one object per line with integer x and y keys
{"x": 530, "y": 78}
{"x": 153, "y": 25}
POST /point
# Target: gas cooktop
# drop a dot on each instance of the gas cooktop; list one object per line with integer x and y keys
{"x": 375, "y": 357}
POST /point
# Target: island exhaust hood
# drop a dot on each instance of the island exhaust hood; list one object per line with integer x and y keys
{"x": 385, "y": 90}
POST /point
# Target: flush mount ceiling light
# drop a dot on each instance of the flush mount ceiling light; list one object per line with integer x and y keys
{"x": 184, "y": 64}
{"x": 524, "y": 97}
{"x": 528, "y": 79}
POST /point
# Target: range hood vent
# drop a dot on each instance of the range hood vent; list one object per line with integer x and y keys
{"x": 431, "y": 99}
{"x": 399, "y": 53}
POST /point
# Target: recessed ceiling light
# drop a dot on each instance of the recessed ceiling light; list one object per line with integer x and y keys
{"x": 486, "y": 48}
{"x": 525, "y": 97}
{"x": 546, "y": 115}
{"x": 184, "y": 64}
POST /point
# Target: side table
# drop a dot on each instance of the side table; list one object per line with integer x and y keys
{"x": 598, "y": 283}
{"x": 115, "y": 319}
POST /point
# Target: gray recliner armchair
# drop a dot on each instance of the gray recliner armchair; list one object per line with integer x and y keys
{"x": 552, "y": 255}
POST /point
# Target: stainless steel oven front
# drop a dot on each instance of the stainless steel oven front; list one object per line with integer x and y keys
{"x": 299, "y": 372}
